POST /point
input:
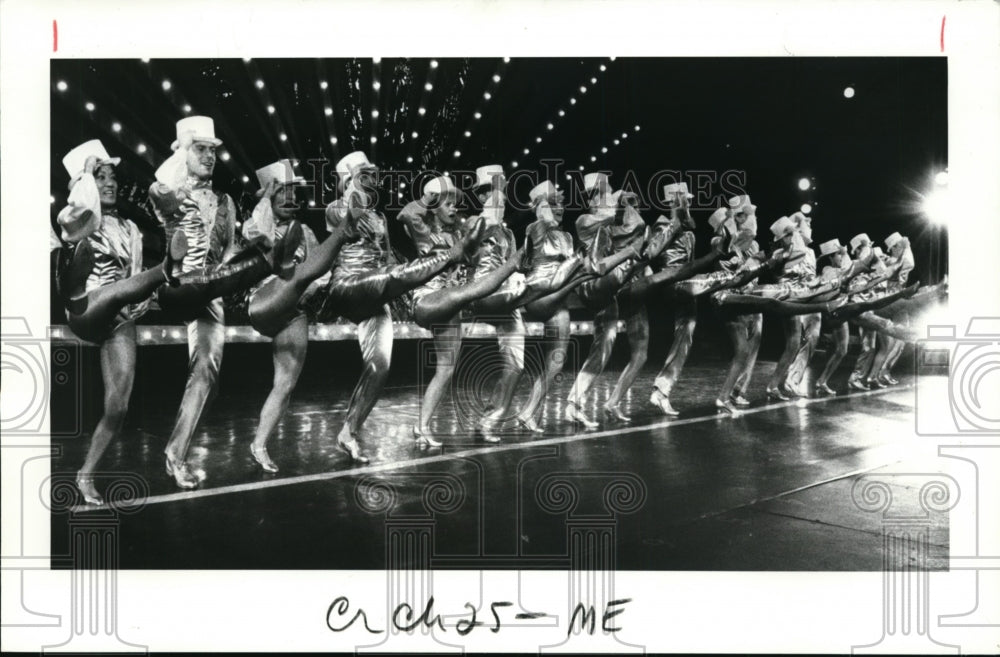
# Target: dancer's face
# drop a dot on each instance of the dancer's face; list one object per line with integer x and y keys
{"x": 201, "y": 160}
{"x": 841, "y": 260}
{"x": 446, "y": 211}
{"x": 107, "y": 185}
{"x": 364, "y": 180}
{"x": 283, "y": 202}
{"x": 897, "y": 249}
{"x": 555, "y": 202}
{"x": 599, "y": 203}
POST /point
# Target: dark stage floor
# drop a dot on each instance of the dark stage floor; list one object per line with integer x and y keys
{"x": 767, "y": 490}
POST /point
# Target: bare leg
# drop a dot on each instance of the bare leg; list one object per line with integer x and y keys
{"x": 886, "y": 301}
{"x": 289, "y": 349}
{"x": 206, "y": 339}
{"x": 447, "y": 345}
{"x": 638, "y": 289}
{"x": 441, "y": 305}
{"x": 840, "y": 335}
{"x": 885, "y": 346}
{"x": 752, "y": 303}
{"x": 863, "y": 365}
{"x": 375, "y": 339}
{"x": 557, "y": 336}
{"x": 685, "y": 321}
{"x": 510, "y": 336}
{"x": 755, "y": 332}
{"x": 605, "y": 331}
{"x": 637, "y": 325}
{"x": 118, "y": 372}
{"x": 274, "y": 305}
{"x": 881, "y": 325}
{"x": 738, "y": 329}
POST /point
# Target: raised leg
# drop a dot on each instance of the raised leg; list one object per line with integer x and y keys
{"x": 440, "y": 306}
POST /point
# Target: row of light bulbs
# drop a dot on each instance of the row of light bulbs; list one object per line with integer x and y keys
{"x": 550, "y": 126}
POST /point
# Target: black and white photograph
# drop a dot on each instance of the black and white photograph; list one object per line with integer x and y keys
{"x": 464, "y": 351}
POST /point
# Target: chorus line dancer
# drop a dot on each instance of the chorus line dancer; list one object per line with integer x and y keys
{"x": 433, "y": 225}
{"x": 276, "y": 304}
{"x": 679, "y": 251}
{"x": 105, "y": 290}
{"x": 889, "y": 348}
{"x": 600, "y": 295}
{"x": 552, "y": 255}
{"x": 184, "y": 201}
{"x": 364, "y": 280}
{"x": 504, "y": 308}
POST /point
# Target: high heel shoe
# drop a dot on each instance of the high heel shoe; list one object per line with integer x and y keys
{"x": 725, "y": 406}
{"x": 739, "y": 400}
{"x": 175, "y": 253}
{"x": 352, "y": 449}
{"x": 823, "y": 390}
{"x": 615, "y": 413}
{"x": 662, "y": 402}
{"x": 530, "y": 424}
{"x": 425, "y": 440}
{"x": 775, "y": 394}
{"x": 575, "y": 414}
{"x": 263, "y": 459}
{"x": 182, "y": 475}
{"x": 85, "y": 484}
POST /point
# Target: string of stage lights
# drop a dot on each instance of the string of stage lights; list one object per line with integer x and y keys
{"x": 561, "y": 113}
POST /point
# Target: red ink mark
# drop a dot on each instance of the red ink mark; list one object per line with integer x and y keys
{"x": 55, "y": 36}
{"x": 942, "y": 32}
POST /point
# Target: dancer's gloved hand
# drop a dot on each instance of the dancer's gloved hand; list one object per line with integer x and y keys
{"x": 90, "y": 164}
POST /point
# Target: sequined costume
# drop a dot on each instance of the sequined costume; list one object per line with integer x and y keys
{"x": 115, "y": 248}
{"x": 264, "y": 228}
{"x": 364, "y": 279}
{"x": 678, "y": 252}
{"x": 208, "y": 220}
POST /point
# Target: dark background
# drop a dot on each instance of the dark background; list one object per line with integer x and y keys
{"x": 772, "y": 120}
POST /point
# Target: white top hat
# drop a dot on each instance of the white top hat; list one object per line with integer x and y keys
{"x": 859, "y": 240}
{"x": 488, "y": 175}
{"x": 441, "y": 186}
{"x": 892, "y": 240}
{"x": 830, "y": 247}
{"x": 592, "y": 180}
{"x": 782, "y": 228}
{"x": 542, "y": 190}
{"x": 202, "y": 128}
{"x": 676, "y": 188}
{"x": 282, "y": 172}
{"x": 352, "y": 163}
{"x": 77, "y": 157}
{"x": 742, "y": 202}
{"x": 718, "y": 218}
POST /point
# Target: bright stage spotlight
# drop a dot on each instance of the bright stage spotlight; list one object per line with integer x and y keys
{"x": 936, "y": 207}
{"x": 941, "y": 178}
{"x": 806, "y": 208}
{"x": 804, "y": 184}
